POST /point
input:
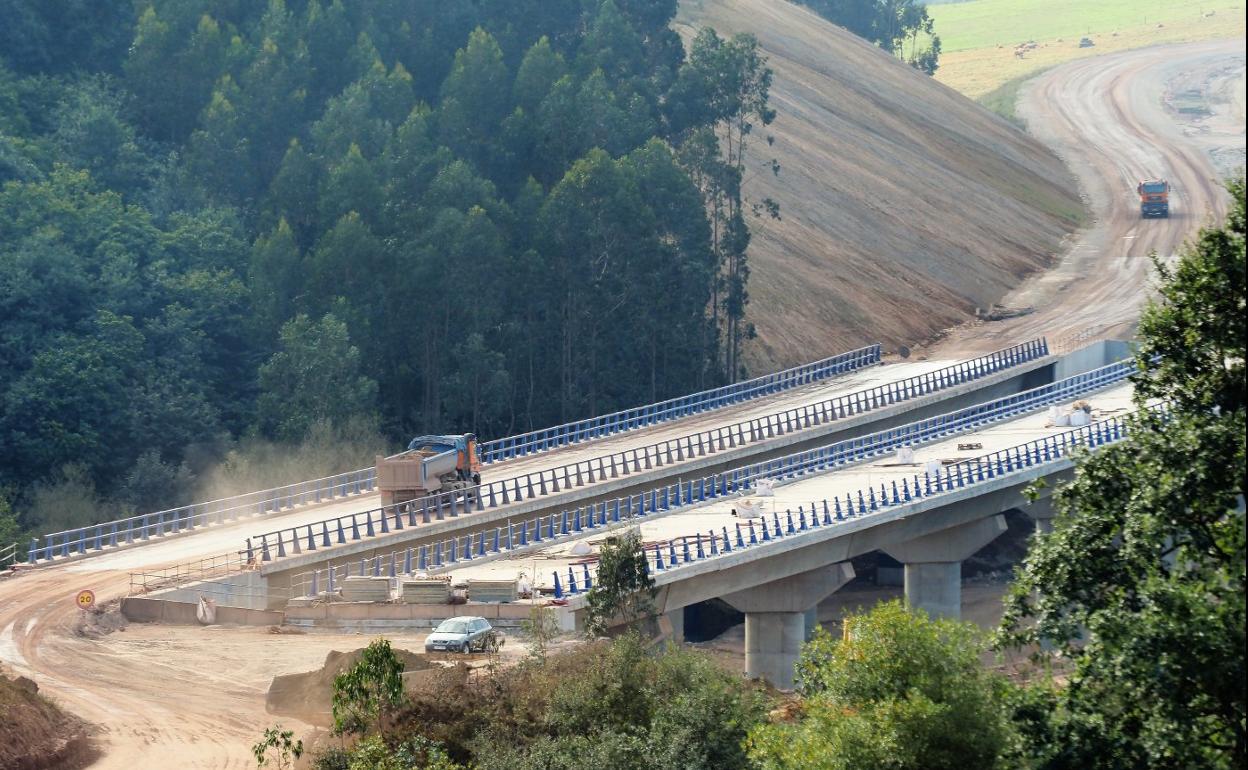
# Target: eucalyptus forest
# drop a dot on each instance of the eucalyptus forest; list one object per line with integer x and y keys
{"x": 225, "y": 220}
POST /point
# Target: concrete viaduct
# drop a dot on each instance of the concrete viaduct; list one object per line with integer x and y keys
{"x": 677, "y": 473}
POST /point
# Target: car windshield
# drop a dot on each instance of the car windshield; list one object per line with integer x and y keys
{"x": 452, "y": 627}
{"x": 1155, "y": 187}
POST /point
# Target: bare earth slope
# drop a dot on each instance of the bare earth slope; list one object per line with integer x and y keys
{"x": 905, "y": 205}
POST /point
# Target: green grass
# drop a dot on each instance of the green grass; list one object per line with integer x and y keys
{"x": 987, "y": 23}
{"x": 1004, "y": 97}
{"x": 979, "y": 37}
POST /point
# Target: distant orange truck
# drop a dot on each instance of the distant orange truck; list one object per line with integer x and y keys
{"x": 1154, "y": 198}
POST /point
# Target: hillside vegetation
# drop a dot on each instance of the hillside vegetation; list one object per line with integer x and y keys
{"x": 904, "y": 205}
{"x": 223, "y": 220}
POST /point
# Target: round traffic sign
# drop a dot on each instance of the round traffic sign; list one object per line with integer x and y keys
{"x": 86, "y": 599}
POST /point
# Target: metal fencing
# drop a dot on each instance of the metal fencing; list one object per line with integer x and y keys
{"x": 570, "y": 523}
{"x": 111, "y": 534}
{"x": 550, "y": 481}
{"x": 143, "y": 527}
{"x": 193, "y": 571}
{"x": 969, "y": 473}
{"x": 8, "y": 555}
{"x": 696, "y": 403}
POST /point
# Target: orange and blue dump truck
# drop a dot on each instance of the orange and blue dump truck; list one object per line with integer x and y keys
{"x": 1154, "y": 198}
{"x": 431, "y": 464}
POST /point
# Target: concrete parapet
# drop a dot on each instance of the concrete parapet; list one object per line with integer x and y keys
{"x": 245, "y": 590}
{"x": 379, "y": 615}
{"x": 147, "y": 610}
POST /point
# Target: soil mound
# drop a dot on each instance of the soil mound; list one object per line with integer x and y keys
{"x": 309, "y": 696}
{"x": 101, "y": 620}
{"x": 905, "y": 206}
{"x": 34, "y": 734}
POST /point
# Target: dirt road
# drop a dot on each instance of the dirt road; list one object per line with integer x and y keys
{"x": 1114, "y": 120}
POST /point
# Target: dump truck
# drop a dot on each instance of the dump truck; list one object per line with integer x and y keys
{"x": 430, "y": 464}
{"x": 1154, "y": 198}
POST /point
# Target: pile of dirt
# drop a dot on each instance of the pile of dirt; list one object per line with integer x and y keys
{"x": 309, "y": 696}
{"x": 101, "y": 620}
{"x": 34, "y": 734}
{"x": 905, "y": 206}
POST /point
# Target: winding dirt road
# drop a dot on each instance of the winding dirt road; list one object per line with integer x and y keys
{"x": 1107, "y": 118}
{"x": 194, "y": 697}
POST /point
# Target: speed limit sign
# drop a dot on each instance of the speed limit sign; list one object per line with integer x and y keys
{"x": 86, "y": 599}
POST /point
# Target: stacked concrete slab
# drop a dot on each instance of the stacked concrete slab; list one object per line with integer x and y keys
{"x": 501, "y": 591}
{"x": 366, "y": 589}
{"x": 424, "y": 591}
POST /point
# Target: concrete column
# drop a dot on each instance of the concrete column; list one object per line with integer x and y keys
{"x": 1042, "y": 513}
{"x": 933, "y": 564}
{"x": 776, "y": 619}
{"x": 773, "y": 643}
{"x": 935, "y": 587}
{"x": 673, "y": 624}
{"x": 812, "y": 621}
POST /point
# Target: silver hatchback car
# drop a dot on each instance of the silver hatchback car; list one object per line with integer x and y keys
{"x": 464, "y": 634}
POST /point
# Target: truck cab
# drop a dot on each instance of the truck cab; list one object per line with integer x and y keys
{"x": 1154, "y": 198}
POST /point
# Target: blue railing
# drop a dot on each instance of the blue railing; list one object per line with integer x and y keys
{"x": 569, "y": 523}
{"x": 550, "y": 481}
{"x": 527, "y": 486}
{"x": 696, "y": 403}
{"x": 187, "y": 517}
{"x": 865, "y": 502}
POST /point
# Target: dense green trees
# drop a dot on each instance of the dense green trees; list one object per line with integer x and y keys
{"x": 612, "y": 704}
{"x": 899, "y": 691}
{"x": 898, "y": 26}
{"x": 515, "y": 213}
{"x": 1141, "y": 585}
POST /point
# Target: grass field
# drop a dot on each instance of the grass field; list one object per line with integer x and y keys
{"x": 979, "y": 36}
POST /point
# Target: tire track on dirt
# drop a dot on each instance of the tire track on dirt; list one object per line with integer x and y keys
{"x": 1104, "y": 117}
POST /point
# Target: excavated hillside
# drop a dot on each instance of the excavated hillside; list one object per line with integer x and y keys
{"x": 905, "y": 206}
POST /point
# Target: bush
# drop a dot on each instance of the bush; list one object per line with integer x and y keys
{"x": 900, "y": 691}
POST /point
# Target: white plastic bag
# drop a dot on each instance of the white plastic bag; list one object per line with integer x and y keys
{"x": 206, "y": 612}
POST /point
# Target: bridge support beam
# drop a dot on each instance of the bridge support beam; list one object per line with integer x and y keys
{"x": 933, "y": 564}
{"x": 1042, "y": 513}
{"x": 776, "y": 616}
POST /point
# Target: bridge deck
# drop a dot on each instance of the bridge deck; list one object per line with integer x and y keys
{"x": 230, "y": 537}
{"x": 684, "y": 526}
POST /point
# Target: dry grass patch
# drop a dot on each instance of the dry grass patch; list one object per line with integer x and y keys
{"x": 980, "y": 37}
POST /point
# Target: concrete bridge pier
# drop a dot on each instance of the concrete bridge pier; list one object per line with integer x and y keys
{"x": 933, "y": 564}
{"x": 1041, "y": 512}
{"x": 776, "y": 617}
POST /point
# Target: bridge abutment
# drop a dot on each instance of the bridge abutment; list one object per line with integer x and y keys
{"x": 777, "y": 619}
{"x": 933, "y": 564}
